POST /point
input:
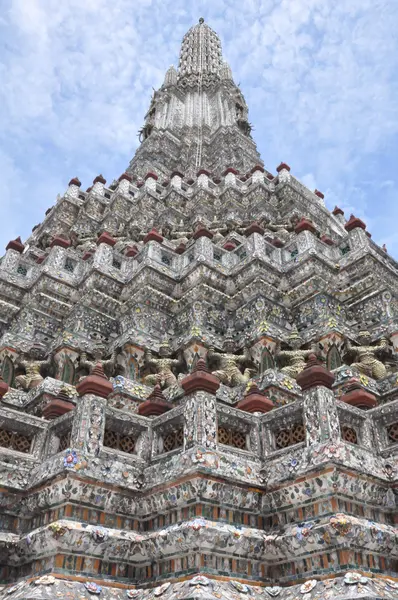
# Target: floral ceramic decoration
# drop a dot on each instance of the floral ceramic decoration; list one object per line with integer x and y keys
{"x": 93, "y": 587}
{"x": 241, "y": 587}
{"x": 100, "y": 534}
{"x": 133, "y": 593}
{"x": 199, "y": 580}
{"x": 70, "y": 459}
{"x": 273, "y": 591}
{"x": 308, "y": 586}
{"x": 161, "y": 589}
{"x": 341, "y": 524}
{"x": 45, "y": 580}
{"x": 351, "y": 578}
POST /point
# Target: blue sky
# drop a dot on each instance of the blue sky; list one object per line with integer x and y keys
{"x": 320, "y": 78}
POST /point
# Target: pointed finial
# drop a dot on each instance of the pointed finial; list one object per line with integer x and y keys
{"x": 201, "y": 20}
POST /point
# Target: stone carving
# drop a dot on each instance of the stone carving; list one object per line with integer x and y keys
{"x": 33, "y": 366}
{"x": 229, "y": 372}
{"x": 366, "y": 354}
{"x": 163, "y": 365}
{"x": 296, "y": 357}
{"x": 98, "y": 353}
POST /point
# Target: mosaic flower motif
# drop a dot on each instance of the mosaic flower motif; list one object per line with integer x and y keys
{"x": 100, "y": 534}
{"x": 45, "y": 580}
{"x": 70, "y": 459}
{"x": 197, "y": 524}
{"x": 241, "y": 587}
{"x": 288, "y": 384}
{"x": 392, "y": 584}
{"x": 273, "y": 591}
{"x": 351, "y": 578}
{"x": 303, "y": 530}
{"x": 308, "y": 586}
{"x": 161, "y": 589}
{"x": 93, "y": 588}
{"x": 58, "y": 530}
{"x": 118, "y": 382}
{"x": 199, "y": 580}
{"x": 341, "y": 524}
{"x": 16, "y": 587}
{"x": 133, "y": 593}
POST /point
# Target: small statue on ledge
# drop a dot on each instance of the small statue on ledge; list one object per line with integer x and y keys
{"x": 366, "y": 354}
{"x": 296, "y": 358}
{"x": 98, "y": 353}
{"x": 163, "y": 365}
{"x": 229, "y": 372}
{"x": 33, "y": 362}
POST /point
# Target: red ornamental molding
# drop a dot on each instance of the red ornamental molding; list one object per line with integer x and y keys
{"x": 96, "y": 383}
{"x": 87, "y": 255}
{"x": 200, "y": 380}
{"x": 357, "y": 396}
{"x": 155, "y": 405}
{"x": 254, "y": 228}
{"x": 314, "y": 374}
{"x": 337, "y": 211}
{"x": 40, "y": 259}
{"x": 151, "y": 176}
{"x": 180, "y": 249}
{"x": 255, "y": 401}
{"x": 202, "y": 232}
{"x": 270, "y": 177}
{"x": 16, "y": 245}
{"x": 327, "y": 240}
{"x": 305, "y": 225}
{"x": 75, "y": 181}
{"x": 176, "y": 174}
{"x": 4, "y": 387}
{"x": 88, "y": 190}
{"x": 105, "y": 238}
{"x": 58, "y": 406}
{"x": 99, "y": 179}
{"x": 203, "y": 172}
{"x": 353, "y": 223}
{"x": 277, "y": 243}
{"x": 257, "y": 168}
{"x": 282, "y": 167}
{"x": 131, "y": 251}
{"x": 230, "y": 170}
{"x": 229, "y": 246}
{"x": 60, "y": 241}
{"x": 319, "y": 194}
{"x": 368, "y": 234}
{"x": 217, "y": 180}
{"x": 154, "y": 236}
{"x": 125, "y": 176}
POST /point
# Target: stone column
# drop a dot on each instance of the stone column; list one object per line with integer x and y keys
{"x": 320, "y": 411}
{"x": 200, "y": 408}
{"x": 14, "y": 249}
{"x": 88, "y": 424}
{"x": 104, "y": 253}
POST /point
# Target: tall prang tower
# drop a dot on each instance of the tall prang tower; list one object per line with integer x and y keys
{"x": 199, "y": 393}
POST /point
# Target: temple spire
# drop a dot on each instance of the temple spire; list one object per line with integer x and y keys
{"x": 200, "y": 53}
{"x": 198, "y": 118}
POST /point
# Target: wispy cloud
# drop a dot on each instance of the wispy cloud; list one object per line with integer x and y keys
{"x": 320, "y": 78}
